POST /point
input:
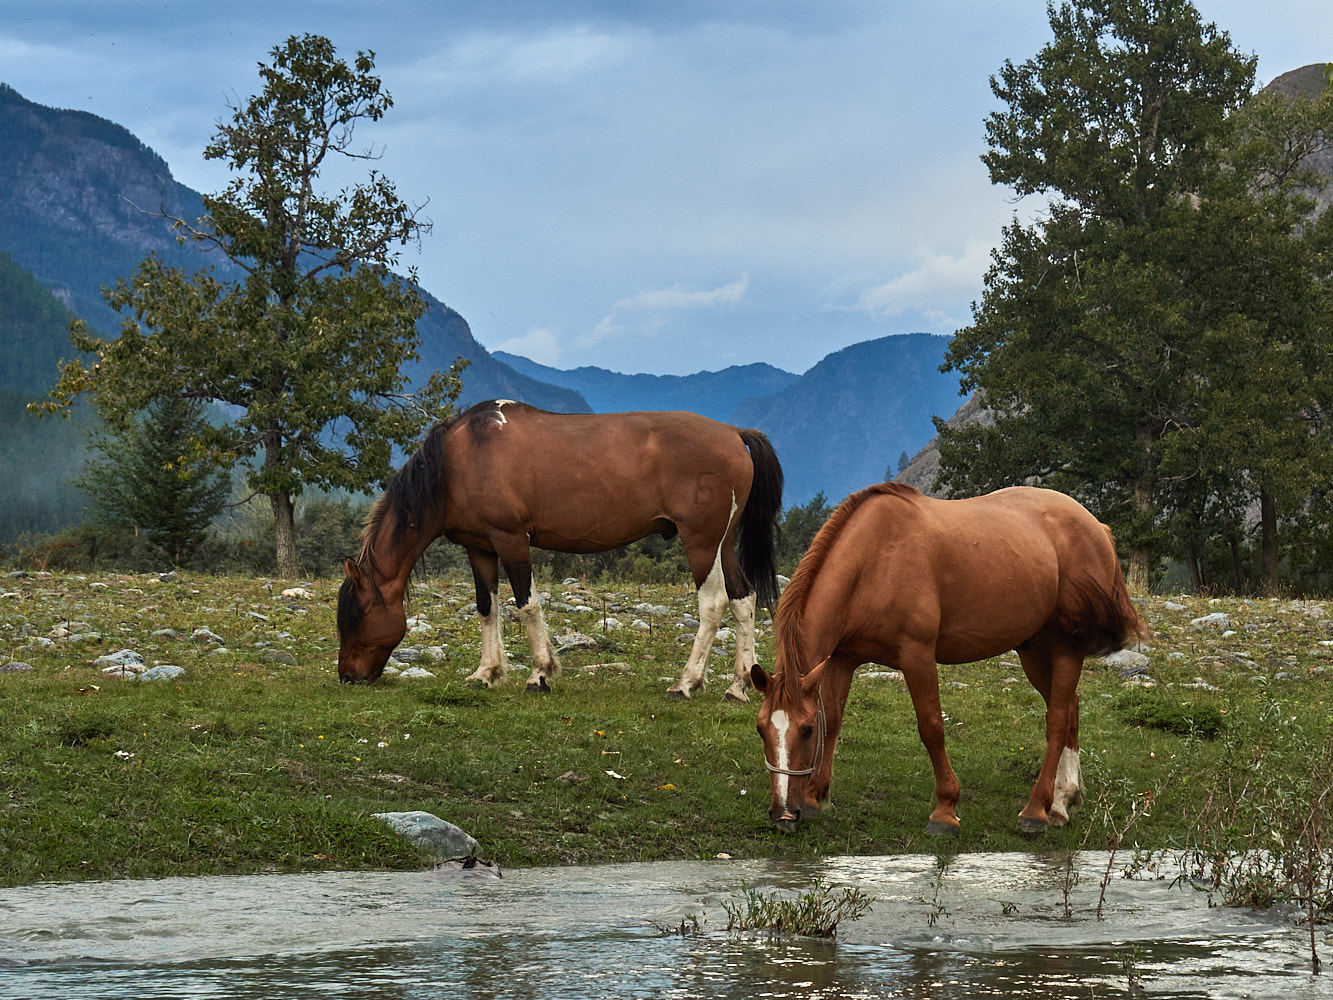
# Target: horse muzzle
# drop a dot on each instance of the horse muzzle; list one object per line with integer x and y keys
{"x": 788, "y": 821}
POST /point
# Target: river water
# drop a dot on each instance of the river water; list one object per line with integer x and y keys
{"x": 979, "y": 925}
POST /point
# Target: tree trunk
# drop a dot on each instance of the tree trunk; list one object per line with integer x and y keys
{"x": 1268, "y": 541}
{"x": 284, "y": 525}
{"x": 1139, "y": 565}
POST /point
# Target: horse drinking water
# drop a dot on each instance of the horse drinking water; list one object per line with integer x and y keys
{"x": 898, "y": 578}
{"x": 504, "y": 476}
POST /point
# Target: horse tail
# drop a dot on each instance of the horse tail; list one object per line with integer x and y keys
{"x": 1102, "y": 619}
{"x": 759, "y": 519}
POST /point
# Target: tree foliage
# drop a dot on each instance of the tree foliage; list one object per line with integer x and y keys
{"x": 146, "y": 477}
{"x": 1153, "y": 343}
{"x": 306, "y": 349}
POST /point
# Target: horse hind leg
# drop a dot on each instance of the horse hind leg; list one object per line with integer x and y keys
{"x": 743, "y": 609}
{"x": 1059, "y": 786}
{"x": 712, "y": 605}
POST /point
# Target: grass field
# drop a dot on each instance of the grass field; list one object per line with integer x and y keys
{"x": 247, "y": 763}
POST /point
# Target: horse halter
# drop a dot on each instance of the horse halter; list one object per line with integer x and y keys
{"x": 821, "y": 726}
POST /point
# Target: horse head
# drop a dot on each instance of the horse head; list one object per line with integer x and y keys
{"x": 793, "y": 727}
{"x": 369, "y": 627}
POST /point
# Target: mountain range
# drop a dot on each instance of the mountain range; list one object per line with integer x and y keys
{"x": 82, "y": 202}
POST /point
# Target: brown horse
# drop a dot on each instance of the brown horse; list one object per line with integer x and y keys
{"x": 901, "y": 579}
{"x": 504, "y": 475}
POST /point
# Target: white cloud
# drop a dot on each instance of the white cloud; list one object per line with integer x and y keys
{"x": 660, "y": 300}
{"x": 538, "y": 344}
{"x": 939, "y": 280}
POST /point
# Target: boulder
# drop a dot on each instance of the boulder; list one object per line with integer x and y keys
{"x": 438, "y": 838}
{"x": 164, "y": 672}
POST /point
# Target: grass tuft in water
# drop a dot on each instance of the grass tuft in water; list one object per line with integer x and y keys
{"x": 816, "y": 913}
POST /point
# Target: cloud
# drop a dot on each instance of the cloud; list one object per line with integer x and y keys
{"x": 538, "y": 344}
{"x": 937, "y": 283}
{"x": 660, "y": 300}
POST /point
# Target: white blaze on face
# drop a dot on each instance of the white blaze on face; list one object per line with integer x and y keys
{"x": 780, "y": 724}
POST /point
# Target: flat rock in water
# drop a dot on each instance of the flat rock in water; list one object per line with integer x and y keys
{"x": 468, "y": 866}
{"x": 437, "y": 837}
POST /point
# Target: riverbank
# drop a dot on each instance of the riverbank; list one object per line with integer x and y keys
{"x": 254, "y": 758}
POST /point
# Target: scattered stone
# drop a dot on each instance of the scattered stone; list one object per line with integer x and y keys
{"x": 163, "y": 672}
{"x": 612, "y": 625}
{"x": 1139, "y": 680}
{"x": 278, "y": 656}
{"x": 639, "y": 625}
{"x": 164, "y": 633}
{"x": 125, "y": 658}
{"x": 16, "y": 667}
{"x": 169, "y": 577}
{"x": 295, "y": 592}
{"x": 884, "y": 675}
{"x": 1173, "y": 606}
{"x": 570, "y": 778}
{"x": 1200, "y": 684}
{"x": 206, "y": 635}
{"x": 256, "y": 616}
{"x": 437, "y": 837}
{"x": 468, "y": 866}
{"x": 415, "y": 673}
{"x": 1128, "y": 662}
{"x": 18, "y": 574}
{"x": 406, "y": 654}
{"x": 1218, "y": 619}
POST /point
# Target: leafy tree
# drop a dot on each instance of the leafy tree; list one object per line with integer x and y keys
{"x": 147, "y": 478}
{"x": 1085, "y": 343}
{"x": 800, "y": 524}
{"x": 307, "y": 347}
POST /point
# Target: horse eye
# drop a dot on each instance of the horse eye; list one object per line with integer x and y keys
{"x": 807, "y": 732}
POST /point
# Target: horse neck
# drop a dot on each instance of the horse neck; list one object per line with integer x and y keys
{"x": 391, "y": 561}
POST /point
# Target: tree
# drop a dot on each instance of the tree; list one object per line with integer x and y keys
{"x": 1082, "y": 344}
{"x": 147, "y": 478}
{"x": 306, "y": 348}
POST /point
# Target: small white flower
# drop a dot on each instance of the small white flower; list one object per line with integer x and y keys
{"x": 382, "y": 744}
{"x": 363, "y": 741}
{"x": 124, "y": 755}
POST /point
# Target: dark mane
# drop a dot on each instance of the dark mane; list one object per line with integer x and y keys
{"x": 791, "y": 609}
{"x": 415, "y": 487}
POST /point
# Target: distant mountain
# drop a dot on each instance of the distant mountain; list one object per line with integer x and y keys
{"x": 714, "y": 394}
{"x": 844, "y": 424}
{"x": 82, "y": 202}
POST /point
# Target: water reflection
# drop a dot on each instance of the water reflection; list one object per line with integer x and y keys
{"x": 998, "y": 928}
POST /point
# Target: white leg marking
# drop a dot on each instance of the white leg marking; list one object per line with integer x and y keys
{"x": 494, "y": 664}
{"x": 780, "y": 724}
{"x": 743, "y": 609}
{"x": 545, "y": 662}
{"x": 1068, "y": 786}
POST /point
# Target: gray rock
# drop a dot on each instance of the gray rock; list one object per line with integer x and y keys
{"x": 164, "y": 633}
{"x": 1173, "y": 606}
{"x": 164, "y": 672}
{"x": 1128, "y": 662}
{"x": 16, "y": 667}
{"x": 416, "y": 674}
{"x": 125, "y": 658}
{"x": 406, "y": 654}
{"x": 437, "y": 837}
{"x": 206, "y": 635}
{"x": 472, "y": 866}
{"x": 1218, "y": 619}
{"x": 278, "y": 656}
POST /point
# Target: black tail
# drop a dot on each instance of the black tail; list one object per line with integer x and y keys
{"x": 759, "y": 520}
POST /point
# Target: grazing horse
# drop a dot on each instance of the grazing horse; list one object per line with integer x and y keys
{"x": 505, "y": 475}
{"x": 898, "y": 578}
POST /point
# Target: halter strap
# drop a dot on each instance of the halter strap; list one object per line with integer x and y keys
{"x": 820, "y": 727}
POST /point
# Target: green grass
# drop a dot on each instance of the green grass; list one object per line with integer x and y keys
{"x": 243, "y": 765}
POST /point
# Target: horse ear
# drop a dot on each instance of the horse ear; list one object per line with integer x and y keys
{"x": 811, "y": 680}
{"x": 352, "y": 570}
{"x": 759, "y": 678}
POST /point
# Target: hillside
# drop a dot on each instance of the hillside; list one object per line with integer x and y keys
{"x": 845, "y": 422}
{"x": 714, "y": 394}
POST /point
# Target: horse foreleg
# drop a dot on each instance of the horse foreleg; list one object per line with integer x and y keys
{"x": 837, "y": 683}
{"x": 486, "y": 577}
{"x": 743, "y": 609}
{"x": 712, "y": 604}
{"x": 923, "y": 683}
{"x": 1059, "y": 783}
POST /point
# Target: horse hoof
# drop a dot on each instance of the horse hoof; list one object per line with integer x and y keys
{"x": 676, "y": 694}
{"x": 539, "y": 686}
{"x": 937, "y": 829}
{"x": 733, "y": 696}
{"x": 477, "y": 683}
{"x": 1030, "y": 827}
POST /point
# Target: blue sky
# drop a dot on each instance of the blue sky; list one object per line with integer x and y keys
{"x": 662, "y": 187}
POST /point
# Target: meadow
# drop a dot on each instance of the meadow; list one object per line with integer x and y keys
{"x": 256, "y": 759}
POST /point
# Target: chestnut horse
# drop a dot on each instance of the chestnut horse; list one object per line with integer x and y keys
{"x": 898, "y": 578}
{"x": 505, "y": 475}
